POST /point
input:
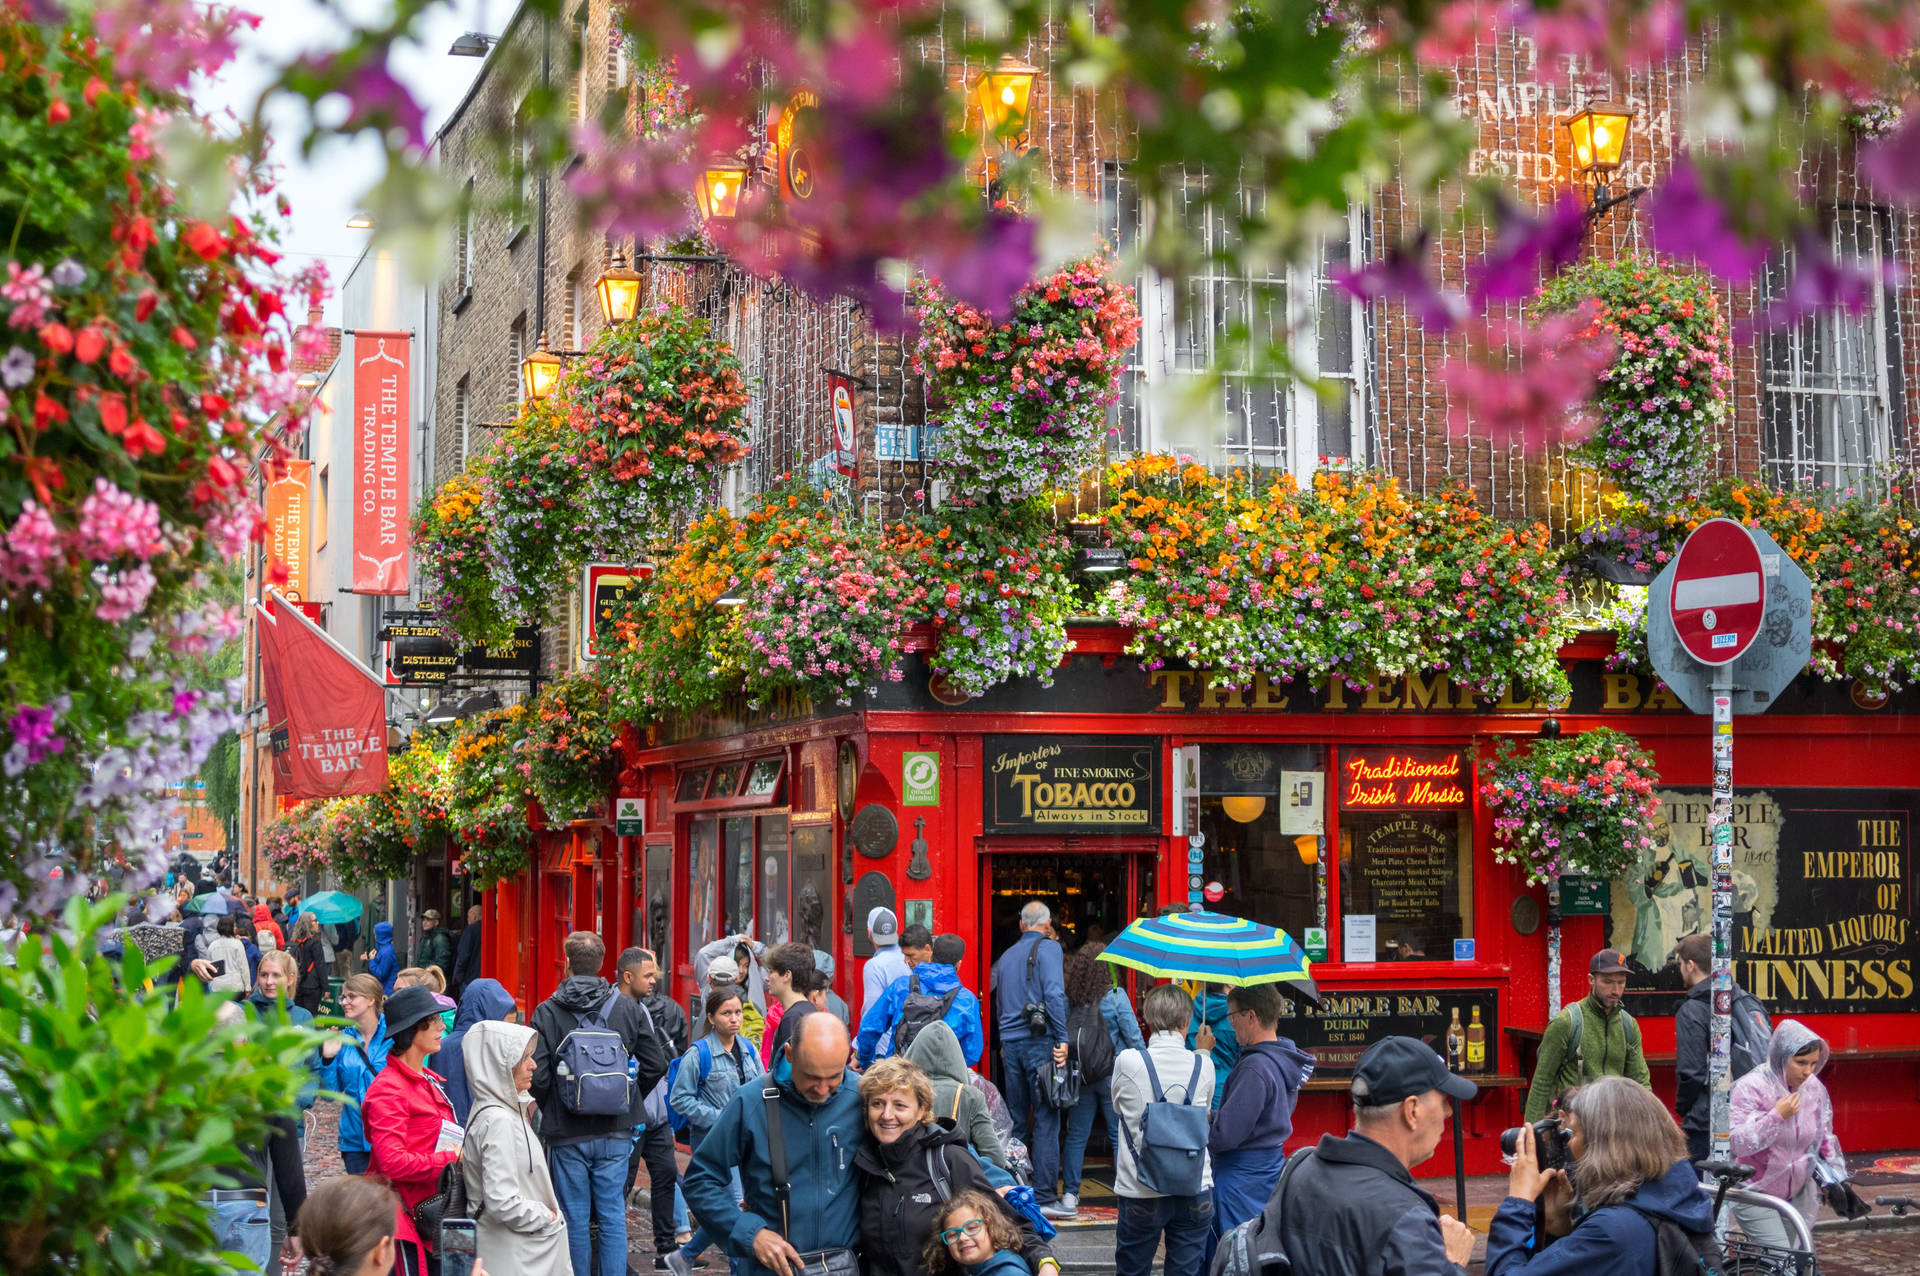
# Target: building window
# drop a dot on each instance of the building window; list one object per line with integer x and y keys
{"x": 622, "y": 60}
{"x": 523, "y": 168}
{"x": 465, "y": 246}
{"x": 1249, "y": 813}
{"x": 1832, "y": 398}
{"x": 580, "y": 78}
{"x": 462, "y": 416}
{"x": 320, "y": 510}
{"x": 1185, "y": 366}
{"x": 516, "y": 352}
{"x": 1406, "y": 853}
{"x": 577, "y": 309}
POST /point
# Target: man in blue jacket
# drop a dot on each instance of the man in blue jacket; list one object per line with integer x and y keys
{"x": 1255, "y": 1119}
{"x": 935, "y": 978}
{"x": 821, "y": 1124}
{"x": 1030, "y": 1014}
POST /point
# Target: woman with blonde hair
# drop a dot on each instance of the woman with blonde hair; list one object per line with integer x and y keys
{"x": 900, "y": 1196}
{"x": 351, "y": 1059}
{"x": 1630, "y": 1172}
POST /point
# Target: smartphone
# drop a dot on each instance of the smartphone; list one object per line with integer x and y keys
{"x": 459, "y": 1246}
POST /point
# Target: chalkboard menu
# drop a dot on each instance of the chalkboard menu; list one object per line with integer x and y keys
{"x": 1344, "y": 1024}
{"x": 1822, "y": 899}
{"x": 1406, "y": 872}
{"x": 1069, "y": 784}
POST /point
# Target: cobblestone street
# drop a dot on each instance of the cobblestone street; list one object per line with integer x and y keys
{"x": 1872, "y": 1251}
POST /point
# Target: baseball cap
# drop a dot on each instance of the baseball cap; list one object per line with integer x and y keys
{"x": 1608, "y": 961}
{"x": 1396, "y": 1068}
{"x": 432, "y": 914}
{"x": 883, "y": 926}
{"x": 411, "y": 1005}
{"x": 724, "y": 969}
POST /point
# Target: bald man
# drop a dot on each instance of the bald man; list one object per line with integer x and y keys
{"x": 817, "y": 1102}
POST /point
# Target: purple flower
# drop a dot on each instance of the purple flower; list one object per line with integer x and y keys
{"x": 1688, "y": 220}
{"x": 1819, "y": 282}
{"x": 379, "y": 101}
{"x": 69, "y": 274}
{"x": 16, "y": 369}
{"x": 1529, "y": 247}
{"x": 1892, "y": 163}
{"x": 1402, "y": 274}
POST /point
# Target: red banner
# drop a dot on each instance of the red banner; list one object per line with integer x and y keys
{"x": 287, "y": 522}
{"x": 381, "y": 399}
{"x": 326, "y": 712}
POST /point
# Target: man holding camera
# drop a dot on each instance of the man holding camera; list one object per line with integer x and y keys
{"x": 1351, "y": 1208}
{"x": 1594, "y": 1037}
{"x": 1031, "y": 1017}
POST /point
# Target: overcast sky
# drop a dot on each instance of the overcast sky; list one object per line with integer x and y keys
{"x": 325, "y": 189}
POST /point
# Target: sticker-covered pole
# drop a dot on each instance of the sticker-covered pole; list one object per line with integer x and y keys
{"x": 1720, "y": 835}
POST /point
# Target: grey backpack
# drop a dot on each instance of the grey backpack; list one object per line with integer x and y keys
{"x": 1171, "y": 1155}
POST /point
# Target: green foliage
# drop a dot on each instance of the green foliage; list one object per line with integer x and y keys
{"x": 122, "y": 1106}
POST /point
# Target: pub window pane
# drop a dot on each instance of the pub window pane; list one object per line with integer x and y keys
{"x": 692, "y": 784}
{"x": 725, "y": 780}
{"x": 776, "y": 925}
{"x": 736, "y": 886}
{"x": 1249, "y": 819}
{"x": 703, "y": 904}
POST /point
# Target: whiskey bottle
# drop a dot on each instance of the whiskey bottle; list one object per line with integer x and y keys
{"x": 1456, "y": 1042}
{"x": 1476, "y": 1044}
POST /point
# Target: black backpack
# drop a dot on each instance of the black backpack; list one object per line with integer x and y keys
{"x": 1092, "y": 1044}
{"x": 920, "y": 1011}
{"x": 1678, "y": 1252}
{"x": 1254, "y": 1248}
{"x": 1750, "y": 1034}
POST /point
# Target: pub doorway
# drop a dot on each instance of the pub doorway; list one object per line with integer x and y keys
{"x": 1092, "y": 895}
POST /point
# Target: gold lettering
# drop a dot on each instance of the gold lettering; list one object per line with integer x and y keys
{"x": 1663, "y": 700}
{"x": 1422, "y": 694}
{"x": 1336, "y": 694}
{"x": 1375, "y": 697}
{"x": 1510, "y": 703}
{"x": 1213, "y": 697}
{"x": 1622, "y": 693}
{"x": 1173, "y": 686}
{"x": 1266, "y": 694}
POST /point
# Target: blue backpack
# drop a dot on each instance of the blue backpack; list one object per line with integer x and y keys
{"x": 705, "y": 1047}
{"x": 1171, "y": 1155}
{"x": 595, "y": 1073}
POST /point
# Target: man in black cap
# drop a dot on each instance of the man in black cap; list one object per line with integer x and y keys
{"x": 1350, "y": 1207}
{"x": 1594, "y": 1037}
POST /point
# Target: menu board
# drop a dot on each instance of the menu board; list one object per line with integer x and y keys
{"x": 1343, "y": 1025}
{"x": 1406, "y": 873}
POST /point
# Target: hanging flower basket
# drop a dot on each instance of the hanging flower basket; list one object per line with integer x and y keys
{"x": 1579, "y": 805}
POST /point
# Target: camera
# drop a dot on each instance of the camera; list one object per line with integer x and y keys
{"x": 1035, "y": 1013}
{"x": 1550, "y": 1140}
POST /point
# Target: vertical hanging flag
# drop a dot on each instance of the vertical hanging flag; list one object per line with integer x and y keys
{"x": 287, "y": 522}
{"x": 846, "y": 438}
{"x": 326, "y": 712}
{"x": 381, "y": 396}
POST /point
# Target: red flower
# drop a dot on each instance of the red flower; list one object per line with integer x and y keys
{"x": 46, "y": 412}
{"x": 59, "y": 112}
{"x": 181, "y": 337}
{"x": 143, "y": 440}
{"x": 95, "y": 87}
{"x": 206, "y": 242}
{"x": 58, "y": 337}
{"x": 45, "y": 474}
{"x": 121, "y": 362}
{"x": 89, "y": 344}
{"x": 113, "y": 414}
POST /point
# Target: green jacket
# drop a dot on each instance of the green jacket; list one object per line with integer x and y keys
{"x": 436, "y": 949}
{"x": 1609, "y": 1046}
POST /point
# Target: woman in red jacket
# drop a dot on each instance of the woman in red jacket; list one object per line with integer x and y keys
{"x": 409, "y": 1121}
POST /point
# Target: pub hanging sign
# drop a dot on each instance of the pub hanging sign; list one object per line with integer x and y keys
{"x": 1072, "y": 784}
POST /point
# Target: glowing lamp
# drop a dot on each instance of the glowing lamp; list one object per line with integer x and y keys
{"x": 1244, "y": 808}
{"x": 1003, "y": 94}
{"x": 1599, "y": 136}
{"x": 719, "y": 190}
{"x": 1308, "y": 845}
{"x": 619, "y": 289}
{"x": 540, "y": 371}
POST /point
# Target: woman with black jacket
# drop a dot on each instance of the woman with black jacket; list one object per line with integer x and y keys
{"x": 909, "y": 1165}
{"x": 310, "y": 955}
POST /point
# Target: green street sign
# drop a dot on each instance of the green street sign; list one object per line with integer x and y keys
{"x": 1584, "y": 897}
{"x": 920, "y": 779}
{"x": 629, "y": 816}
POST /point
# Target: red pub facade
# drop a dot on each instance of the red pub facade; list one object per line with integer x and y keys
{"x": 1350, "y": 816}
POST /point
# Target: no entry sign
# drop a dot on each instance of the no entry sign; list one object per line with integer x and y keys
{"x": 1719, "y": 592}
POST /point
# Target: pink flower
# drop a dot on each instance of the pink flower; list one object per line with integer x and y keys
{"x": 113, "y": 523}
{"x": 124, "y": 595}
{"x": 31, "y": 548}
{"x": 31, "y": 293}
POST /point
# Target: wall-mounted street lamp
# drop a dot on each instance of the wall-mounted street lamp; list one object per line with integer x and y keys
{"x": 619, "y": 289}
{"x": 540, "y": 371}
{"x": 719, "y": 189}
{"x": 474, "y": 44}
{"x": 1003, "y": 94}
{"x": 1599, "y": 136}
{"x": 359, "y": 221}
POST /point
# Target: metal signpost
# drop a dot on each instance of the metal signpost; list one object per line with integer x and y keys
{"x": 1728, "y": 628}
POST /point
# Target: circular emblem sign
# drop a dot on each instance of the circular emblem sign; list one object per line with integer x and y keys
{"x": 1214, "y": 892}
{"x": 1719, "y": 592}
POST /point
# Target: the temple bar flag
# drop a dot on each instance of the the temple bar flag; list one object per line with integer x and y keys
{"x": 327, "y": 713}
{"x": 381, "y": 399}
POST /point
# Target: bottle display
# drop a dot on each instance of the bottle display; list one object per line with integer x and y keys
{"x": 1456, "y": 1042}
{"x": 1476, "y": 1044}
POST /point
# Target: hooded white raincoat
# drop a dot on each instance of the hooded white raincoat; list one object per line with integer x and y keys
{"x": 521, "y": 1229}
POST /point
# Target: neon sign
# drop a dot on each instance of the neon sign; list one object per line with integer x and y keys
{"x": 1403, "y": 779}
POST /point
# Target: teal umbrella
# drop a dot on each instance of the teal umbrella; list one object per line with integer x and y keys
{"x": 332, "y": 907}
{"x": 1215, "y": 949}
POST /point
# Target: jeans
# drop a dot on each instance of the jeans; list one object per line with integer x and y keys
{"x": 1022, "y": 1061}
{"x": 697, "y": 1244}
{"x": 589, "y": 1178}
{"x": 241, "y": 1226}
{"x": 680, "y": 1223}
{"x": 356, "y": 1162}
{"x": 1243, "y": 1182}
{"x": 1185, "y": 1220}
{"x": 1093, "y": 1095}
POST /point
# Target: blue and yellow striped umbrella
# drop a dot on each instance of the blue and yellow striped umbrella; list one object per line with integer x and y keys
{"x": 1214, "y": 948}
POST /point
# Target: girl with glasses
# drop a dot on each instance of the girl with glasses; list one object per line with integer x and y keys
{"x": 972, "y": 1235}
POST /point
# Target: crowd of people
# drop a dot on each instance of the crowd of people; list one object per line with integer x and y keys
{"x": 875, "y": 1141}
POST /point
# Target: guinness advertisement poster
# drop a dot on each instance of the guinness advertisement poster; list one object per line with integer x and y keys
{"x": 1072, "y": 784}
{"x": 1823, "y": 908}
